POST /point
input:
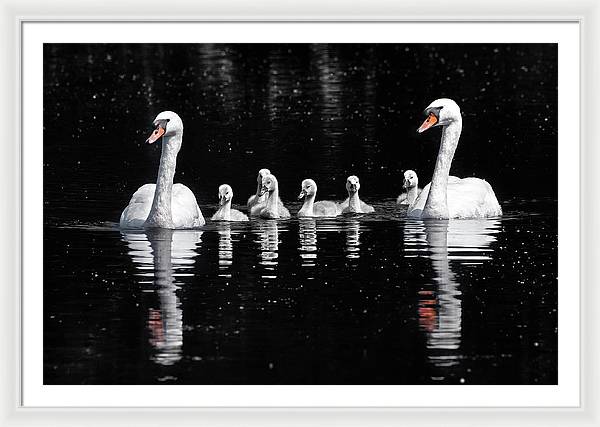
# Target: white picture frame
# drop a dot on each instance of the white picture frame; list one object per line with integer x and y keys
{"x": 14, "y": 13}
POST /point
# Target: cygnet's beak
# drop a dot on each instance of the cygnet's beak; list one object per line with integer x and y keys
{"x": 222, "y": 199}
{"x": 263, "y": 190}
{"x": 302, "y": 195}
{"x": 406, "y": 184}
{"x": 157, "y": 133}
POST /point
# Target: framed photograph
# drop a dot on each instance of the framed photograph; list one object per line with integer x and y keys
{"x": 224, "y": 218}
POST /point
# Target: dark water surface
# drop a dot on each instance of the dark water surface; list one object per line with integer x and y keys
{"x": 367, "y": 299}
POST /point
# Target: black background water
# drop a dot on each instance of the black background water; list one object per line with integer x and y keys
{"x": 356, "y": 300}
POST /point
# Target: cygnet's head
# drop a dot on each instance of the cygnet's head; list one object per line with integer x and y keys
{"x": 309, "y": 188}
{"x": 166, "y": 125}
{"x": 225, "y": 194}
{"x": 261, "y": 174}
{"x": 269, "y": 184}
{"x": 440, "y": 112}
{"x": 352, "y": 184}
{"x": 410, "y": 179}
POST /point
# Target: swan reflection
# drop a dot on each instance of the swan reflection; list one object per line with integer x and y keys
{"x": 352, "y": 227}
{"x": 162, "y": 256}
{"x": 464, "y": 242}
{"x": 307, "y": 233}
{"x": 268, "y": 239}
{"x": 225, "y": 248}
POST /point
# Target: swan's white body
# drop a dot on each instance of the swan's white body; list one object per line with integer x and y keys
{"x": 450, "y": 197}
{"x": 467, "y": 198}
{"x": 164, "y": 205}
{"x": 273, "y": 208}
{"x": 353, "y": 204}
{"x": 411, "y": 185}
{"x": 257, "y": 202}
{"x": 185, "y": 212}
{"x": 310, "y": 208}
{"x": 225, "y": 212}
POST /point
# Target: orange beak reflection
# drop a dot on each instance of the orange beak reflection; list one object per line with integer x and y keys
{"x": 429, "y": 122}
{"x": 158, "y": 132}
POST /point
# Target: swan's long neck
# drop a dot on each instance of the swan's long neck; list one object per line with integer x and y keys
{"x": 309, "y": 204}
{"x": 411, "y": 194}
{"x": 437, "y": 200}
{"x": 354, "y": 202}
{"x": 225, "y": 211}
{"x": 272, "y": 199}
{"x": 160, "y": 213}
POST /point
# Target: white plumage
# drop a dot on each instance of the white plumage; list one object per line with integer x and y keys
{"x": 448, "y": 196}
{"x": 467, "y": 198}
{"x": 184, "y": 208}
{"x": 310, "y": 208}
{"x": 164, "y": 204}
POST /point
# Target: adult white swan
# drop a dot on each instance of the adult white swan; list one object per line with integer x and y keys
{"x": 164, "y": 205}
{"x": 447, "y": 196}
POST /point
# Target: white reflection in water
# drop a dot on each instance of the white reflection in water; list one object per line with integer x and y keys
{"x": 268, "y": 239}
{"x": 465, "y": 242}
{"x": 162, "y": 256}
{"x": 307, "y": 233}
{"x": 352, "y": 228}
{"x": 225, "y": 248}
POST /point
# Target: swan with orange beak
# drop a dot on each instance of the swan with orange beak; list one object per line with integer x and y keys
{"x": 164, "y": 204}
{"x": 448, "y": 196}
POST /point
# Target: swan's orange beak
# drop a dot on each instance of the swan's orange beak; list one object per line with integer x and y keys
{"x": 158, "y": 132}
{"x": 429, "y": 122}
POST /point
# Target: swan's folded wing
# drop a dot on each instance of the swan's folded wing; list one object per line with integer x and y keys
{"x": 366, "y": 208}
{"x": 144, "y": 194}
{"x": 326, "y": 208}
{"x": 283, "y": 211}
{"x": 363, "y": 206}
{"x": 134, "y": 215}
{"x": 185, "y": 210}
{"x": 136, "y": 212}
{"x": 256, "y": 209}
{"x": 472, "y": 198}
{"x": 344, "y": 204}
{"x": 238, "y": 215}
